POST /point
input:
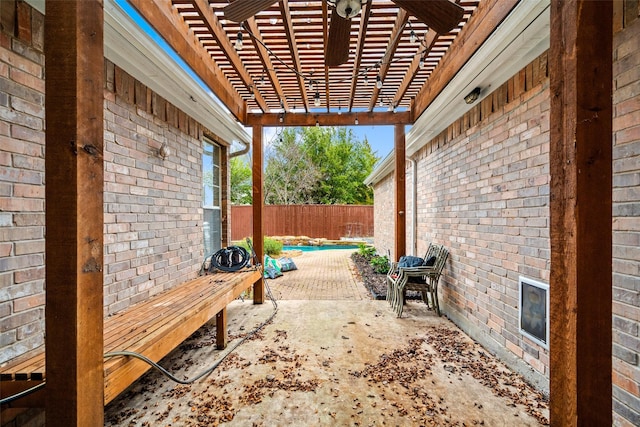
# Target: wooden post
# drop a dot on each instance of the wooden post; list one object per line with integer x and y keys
{"x": 221, "y": 329}
{"x": 400, "y": 193}
{"x": 580, "y": 67}
{"x": 74, "y": 213}
{"x": 258, "y": 208}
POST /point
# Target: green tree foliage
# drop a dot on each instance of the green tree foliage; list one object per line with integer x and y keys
{"x": 344, "y": 163}
{"x": 241, "y": 181}
{"x": 290, "y": 171}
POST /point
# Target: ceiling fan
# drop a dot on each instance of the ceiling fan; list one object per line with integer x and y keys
{"x": 440, "y": 15}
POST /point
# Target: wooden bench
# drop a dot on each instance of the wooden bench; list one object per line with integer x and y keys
{"x": 152, "y": 327}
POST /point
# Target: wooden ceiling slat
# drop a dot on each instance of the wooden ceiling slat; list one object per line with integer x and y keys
{"x": 401, "y": 21}
{"x": 291, "y": 40}
{"x": 295, "y": 33}
{"x": 211, "y": 21}
{"x": 159, "y": 14}
{"x": 265, "y": 60}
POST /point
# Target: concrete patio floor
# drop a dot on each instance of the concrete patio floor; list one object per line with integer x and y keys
{"x": 335, "y": 358}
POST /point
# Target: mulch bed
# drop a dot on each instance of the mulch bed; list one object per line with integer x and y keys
{"x": 375, "y": 282}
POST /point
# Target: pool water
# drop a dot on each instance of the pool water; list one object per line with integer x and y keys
{"x": 318, "y": 248}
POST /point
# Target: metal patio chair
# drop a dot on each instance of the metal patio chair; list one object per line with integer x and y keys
{"x": 423, "y": 279}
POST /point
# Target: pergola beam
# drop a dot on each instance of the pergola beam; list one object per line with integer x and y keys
{"x": 394, "y": 40}
{"x": 293, "y": 46}
{"x": 483, "y": 22}
{"x": 357, "y": 60}
{"x": 256, "y": 39}
{"x": 210, "y": 20}
{"x": 171, "y": 26}
{"x": 330, "y": 119}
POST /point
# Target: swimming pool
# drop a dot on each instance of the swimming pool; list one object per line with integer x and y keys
{"x": 318, "y": 248}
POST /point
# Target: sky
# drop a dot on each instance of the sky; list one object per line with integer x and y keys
{"x": 380, "y": 137}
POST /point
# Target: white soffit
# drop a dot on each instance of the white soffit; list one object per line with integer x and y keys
{"x": 523, "y": 36}
{"x": 133, "y": 50}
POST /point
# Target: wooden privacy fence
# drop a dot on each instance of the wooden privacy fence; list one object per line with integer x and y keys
{"x": 317, "y": 221}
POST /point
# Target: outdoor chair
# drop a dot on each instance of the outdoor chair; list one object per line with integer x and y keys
{"x": 423, "y": 279}
{"x": 392, "y": 275}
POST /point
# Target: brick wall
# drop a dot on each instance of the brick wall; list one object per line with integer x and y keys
{"x": 153, "y": 207}
{"x": 626, "y": 219}
{"x": 21, "y": 179}
{"x": 483, "y": 192}
{"x": 383, "y": 217}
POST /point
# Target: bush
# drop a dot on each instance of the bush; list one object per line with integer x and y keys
{"x": 366, "y": 251}
{"x": 272, "y": 247}
{"x": 380, "y": 264}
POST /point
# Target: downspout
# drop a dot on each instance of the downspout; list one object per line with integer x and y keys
{"x": 245, "y": 150}
{"x": 414, "y": 206}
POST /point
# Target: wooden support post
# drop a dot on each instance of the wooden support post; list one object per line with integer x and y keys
{"x": 580, "y": 67}
{"x": 400, "y": 193}
{"x": 74, "y": 213}
{"x": 221, "y": 329}
{"x": 258, "y": 208}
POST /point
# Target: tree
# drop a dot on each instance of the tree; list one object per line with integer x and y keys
{"x": 344, "y": 163}
{"x": 318, "y": 165}
{"x": 289, "y": 172}
{"x": 241, "y": 182}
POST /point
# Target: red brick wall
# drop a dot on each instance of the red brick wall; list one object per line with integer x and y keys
{"x": 21, "y": 179}
{"x": 626, "y": 219}
{"x": 153, "y": 207}
{"x": 484, "y": 193}
{"x": 383, "y": 217}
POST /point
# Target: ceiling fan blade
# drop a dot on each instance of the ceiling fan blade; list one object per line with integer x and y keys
{"x": 337, "y": 49}
{"x": 241, "y": 10}
{"x": 440, "y": 15}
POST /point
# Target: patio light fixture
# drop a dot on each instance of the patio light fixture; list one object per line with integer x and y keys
{"x": 346, "y": 8}
{"x": 472, "y": 96}
{"x": 238, "y": 45}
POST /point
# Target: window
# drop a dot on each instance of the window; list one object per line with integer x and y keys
{"x": 211, "y": 198}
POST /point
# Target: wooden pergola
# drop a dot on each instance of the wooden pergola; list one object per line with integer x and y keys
{"x": 295, "y": 32}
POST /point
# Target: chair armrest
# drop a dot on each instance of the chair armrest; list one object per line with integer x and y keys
{"x": 393, "y": 268}
{"x": 417, "y": 271}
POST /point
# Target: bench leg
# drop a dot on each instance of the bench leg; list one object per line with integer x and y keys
{"x": 258, "y": 291}
{"x": 221, "y": 329}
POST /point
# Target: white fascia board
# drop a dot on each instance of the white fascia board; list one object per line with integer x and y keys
{"x": 382, "y": 169}
{"x": 132, "y": 49}
{"x": 523, "y": 36}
